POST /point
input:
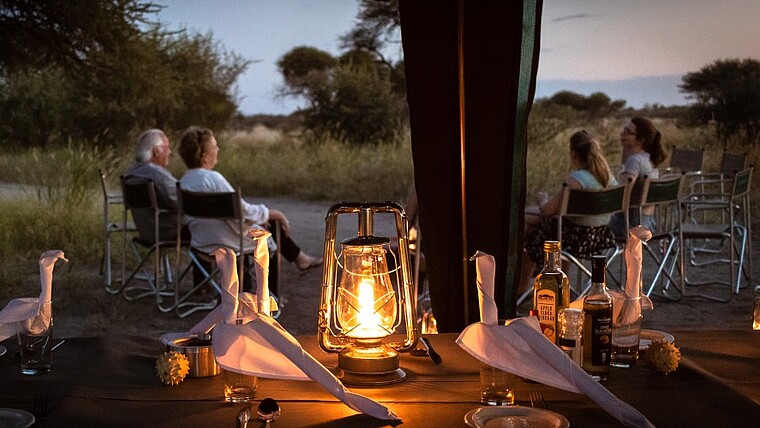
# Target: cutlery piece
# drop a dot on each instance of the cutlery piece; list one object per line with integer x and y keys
{"x": 431, "y": 352}
{"x": 41, "y": 405}
{"x": 268, "y": 410}
{"x": 243, "y": 416}
{"x": 537, "y": 400}
{"x": 57, "y": 345}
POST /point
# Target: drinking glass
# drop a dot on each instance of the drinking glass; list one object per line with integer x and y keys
{"x": 35, "y": 342}
{"x": 626, "y": 329}
{"x": 238, "y": 387}
{"x": 497, "y": 387}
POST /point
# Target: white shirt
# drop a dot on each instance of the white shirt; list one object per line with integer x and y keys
{"x": 209, "y": 234}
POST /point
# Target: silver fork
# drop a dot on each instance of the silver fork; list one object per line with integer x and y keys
{"x": 537, "y": 400}
{"x": 41, "y": 405}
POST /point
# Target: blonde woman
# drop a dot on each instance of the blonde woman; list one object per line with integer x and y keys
{"x": 583, "y": 236}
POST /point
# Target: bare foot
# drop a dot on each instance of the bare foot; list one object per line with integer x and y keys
{"x": 305, "y": 262}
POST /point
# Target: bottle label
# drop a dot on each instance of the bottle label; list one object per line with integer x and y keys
{"x": 546, "y": 304}
{"x": 601, "y": 337}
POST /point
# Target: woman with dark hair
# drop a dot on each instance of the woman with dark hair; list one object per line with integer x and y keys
{"x": 199, "y": 151}
{"x": 583, "y": 236}
{"x": 642, "y": 154}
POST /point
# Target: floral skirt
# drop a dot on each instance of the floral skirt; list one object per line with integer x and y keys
{"x": 580, "y": 241}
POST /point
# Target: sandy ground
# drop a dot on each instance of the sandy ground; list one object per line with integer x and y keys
{"x": 301, "y": 292}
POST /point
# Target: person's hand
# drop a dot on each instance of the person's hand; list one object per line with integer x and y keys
{"x": 280, "y": 216}
{"x": 541, "y": 198}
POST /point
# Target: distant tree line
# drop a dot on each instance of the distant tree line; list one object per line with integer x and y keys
{"x": 101, "y": 70}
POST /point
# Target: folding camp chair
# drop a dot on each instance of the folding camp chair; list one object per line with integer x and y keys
{"x": 140, "y": 195}
{"x": 223, "y": 206}
{"x": 110, "y": 227}
{"x": 583, "y": 203}
{"x": 736, "y": 230}
{"x": 664, "y": 194}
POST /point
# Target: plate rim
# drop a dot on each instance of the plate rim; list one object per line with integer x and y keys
{"x": 30, "y": 419}
{"x": 665, "y": 335}
{"x": 468, "y": 417}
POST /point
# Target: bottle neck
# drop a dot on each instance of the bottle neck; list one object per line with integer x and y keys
{"x": 552, "y": 260}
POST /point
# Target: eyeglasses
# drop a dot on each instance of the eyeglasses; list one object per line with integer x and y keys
{"x": 627, "y": 131}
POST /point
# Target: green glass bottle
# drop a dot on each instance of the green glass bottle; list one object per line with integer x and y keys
{"x": 551, "y": 291}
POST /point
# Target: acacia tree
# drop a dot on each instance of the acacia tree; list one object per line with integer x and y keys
{"x": 66, "y": 32}
{"x": 728, "y": 93}
{"x": 104, "y": 76}
{"x": 358, "y": 97}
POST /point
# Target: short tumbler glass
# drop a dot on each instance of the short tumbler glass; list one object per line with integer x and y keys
{"x": 238, "y": 387}
{"x": 626, "y": 329}
{"x": 35, "y": 344}
{"x": 497, "y": 387}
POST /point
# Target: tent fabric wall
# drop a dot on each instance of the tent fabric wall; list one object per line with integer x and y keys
{"x": 470, "y": 71}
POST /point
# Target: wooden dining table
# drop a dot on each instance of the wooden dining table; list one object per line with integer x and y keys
{"x": 111, "y": 381}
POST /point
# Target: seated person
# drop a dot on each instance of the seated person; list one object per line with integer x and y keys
{"x": 151, "y": 159}
{"x": 585, "y": 236}
{"x": 642, "y": 154}
{"x": 199, "y": 151}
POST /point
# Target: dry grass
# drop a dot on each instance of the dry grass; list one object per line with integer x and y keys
{"x": 66, "y": 211}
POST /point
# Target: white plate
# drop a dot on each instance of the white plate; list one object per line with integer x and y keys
{"x": 514, "y": 417}
{"x": 15, "y": 418}
{"x": 3, "y": 350}
{"x": 648, "y": 336}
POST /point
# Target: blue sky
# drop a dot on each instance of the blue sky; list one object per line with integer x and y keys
{"x": 636, "y": 50}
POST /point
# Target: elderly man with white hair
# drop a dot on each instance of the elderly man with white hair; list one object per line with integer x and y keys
{"x": 151, "y": 159}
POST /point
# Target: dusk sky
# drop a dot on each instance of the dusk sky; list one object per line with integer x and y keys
{"x": 636, "y": 50}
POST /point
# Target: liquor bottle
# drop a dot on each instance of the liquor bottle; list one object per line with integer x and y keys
{"x": 597, "y": 323}
{"x": 551, "y": 291}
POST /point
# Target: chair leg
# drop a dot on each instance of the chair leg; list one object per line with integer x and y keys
{"x": 685, "y": 282}
{"x": 669, "y": 253}
{"x": 182, "y": 306}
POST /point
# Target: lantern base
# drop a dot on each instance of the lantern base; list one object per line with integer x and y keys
{"x": 369, "y": 380}
{"x": 369, "y": 365}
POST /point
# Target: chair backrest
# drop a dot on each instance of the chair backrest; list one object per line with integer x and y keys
{"x": 108, "y": 197}
{"x": 730, "y": 163}
{"x": 140, "y": 194}
{"x": 664, "y": 193}
{"x": 583, "y": 203}
{"x": 577, "y": 203}
{"x": 219, "y": 206}
{"x": 741, "y": 183}
{"x": 686, "y": 160}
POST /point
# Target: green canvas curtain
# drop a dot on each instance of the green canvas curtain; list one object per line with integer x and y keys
{"x": 470, "y": 71}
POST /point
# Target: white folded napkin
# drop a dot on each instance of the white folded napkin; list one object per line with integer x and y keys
{"x": 34, "y": 312}
{"x": 261, "y": 257}
{"x": 489, "y": 313}
{"x": 519, "y": 347}
{"x": 260, "y": 346}
{"x": 633, "y": 264}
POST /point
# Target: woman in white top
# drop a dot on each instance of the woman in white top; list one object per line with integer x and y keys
{"x": 642, "y": 154}
{"x": 199, "y": 151}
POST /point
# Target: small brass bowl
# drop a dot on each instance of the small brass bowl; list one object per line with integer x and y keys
{"x": 199, "y": 353}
